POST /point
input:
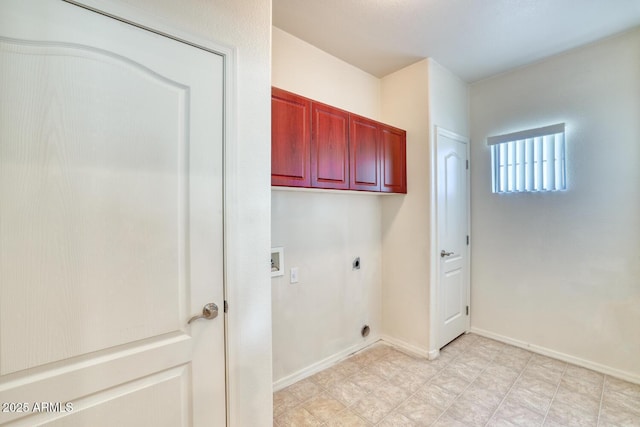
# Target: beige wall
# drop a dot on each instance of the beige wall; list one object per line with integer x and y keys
{"x": 405, "y": 219}
{"x": 308, "y": 71}
{"x": 245, "y": 26}
{"x": 320, "y": 317}
{"x": 448, "y": 100}
{"x": 561, "y": 271}
{"x": 416, "y": 98}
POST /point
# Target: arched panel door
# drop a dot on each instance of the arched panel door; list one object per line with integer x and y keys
{"x": 110, "y": 222}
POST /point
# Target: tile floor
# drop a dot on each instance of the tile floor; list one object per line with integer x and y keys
{"x": 475, "y": 382}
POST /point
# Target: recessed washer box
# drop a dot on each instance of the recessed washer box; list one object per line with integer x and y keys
{"x": 277, "y": 262}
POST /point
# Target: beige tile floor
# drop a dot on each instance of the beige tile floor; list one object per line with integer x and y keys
{"x": 475, "y": 382}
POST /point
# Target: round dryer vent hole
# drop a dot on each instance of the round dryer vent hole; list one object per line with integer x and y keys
{"x": 364, "y": 331}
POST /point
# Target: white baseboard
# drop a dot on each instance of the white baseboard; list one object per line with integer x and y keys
{"x": 434, "y": 354}
{"x": 322, "y": 364}
{"x": 623, "y": 375}
{"x": 409, "y": 348}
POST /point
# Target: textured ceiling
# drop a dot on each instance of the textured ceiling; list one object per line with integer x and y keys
{"x": 472, "y": 38}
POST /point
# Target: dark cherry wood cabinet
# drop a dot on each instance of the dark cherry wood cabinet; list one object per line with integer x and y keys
{"x": 364, "y": 154}
{"x": 316, "y": 145}
{"x": 290, "y": 139}
{"x": 329, "y": 147}
{"x": 393, "y": 145}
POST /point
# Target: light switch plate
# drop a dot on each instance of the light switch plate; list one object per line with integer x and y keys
{"x": 294, "y": 275}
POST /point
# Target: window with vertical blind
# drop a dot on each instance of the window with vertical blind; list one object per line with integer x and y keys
{"x": 529, "y": 160}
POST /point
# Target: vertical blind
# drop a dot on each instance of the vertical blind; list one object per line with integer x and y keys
{"x": 529, "y": 160}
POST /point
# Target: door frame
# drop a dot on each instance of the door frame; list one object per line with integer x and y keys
{"x": 434, "y": 282}
{"x": 135, "y": 17}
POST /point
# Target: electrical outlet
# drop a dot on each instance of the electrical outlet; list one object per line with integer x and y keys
{"x": 294, "y": 275}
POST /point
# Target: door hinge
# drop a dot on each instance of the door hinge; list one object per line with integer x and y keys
{"x": 226, "y": 306}
{"x": 467, "y": 310}
{"x": 467, "y": 240}
{"x": 467, "y": 164}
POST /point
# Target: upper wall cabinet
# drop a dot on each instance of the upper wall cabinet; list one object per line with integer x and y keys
{"x": 329, "y": 147}
{"x": 290, "y": 139}
{"x": 318, "y": 146}
{"x": 364, "y": 154}
{"x": 393, "y": 149}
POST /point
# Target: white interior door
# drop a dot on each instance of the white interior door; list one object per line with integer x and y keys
{"x": 110, "y": 223}
{"x": 452, "y": 229}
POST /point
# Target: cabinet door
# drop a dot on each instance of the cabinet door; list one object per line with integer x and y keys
{"x": 394, "y": 160}
{"x": 329, "y": 147}
{"x": 290, "y": 139}
{"x": 364, "y": 150}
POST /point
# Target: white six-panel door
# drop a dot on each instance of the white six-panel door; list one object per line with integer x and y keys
{"x": 452, "y": 229}
{"x": 110, "y": 222}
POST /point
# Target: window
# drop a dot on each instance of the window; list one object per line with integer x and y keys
{"x": 530, "y": 160}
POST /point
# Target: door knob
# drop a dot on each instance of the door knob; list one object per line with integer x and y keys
{"x": 444, "y": 254}
{"x": 209, "y": 311}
